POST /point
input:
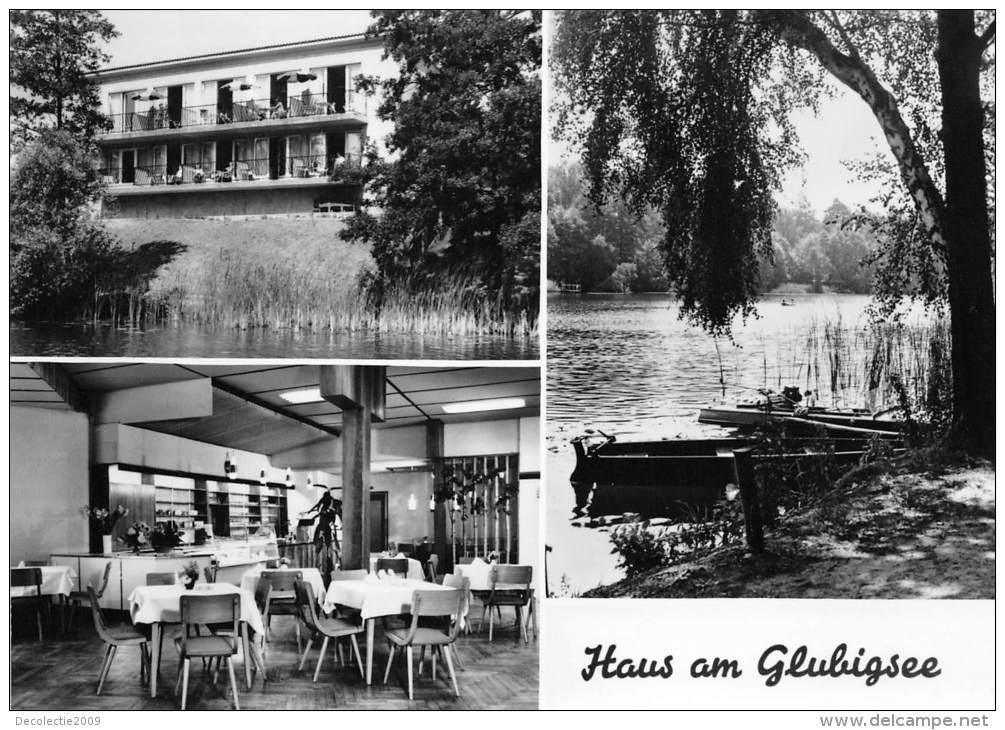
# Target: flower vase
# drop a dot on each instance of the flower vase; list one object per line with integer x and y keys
{"x": 106, "y": 544}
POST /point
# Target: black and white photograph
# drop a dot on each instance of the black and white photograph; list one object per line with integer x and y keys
{"x": 771, "y": 317}
{"x": 316, "y": 184}
{"x": 284, "y": 537}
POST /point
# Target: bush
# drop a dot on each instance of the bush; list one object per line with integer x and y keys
{"x": 640, "y": 548}
{"x": 56, "y": 273}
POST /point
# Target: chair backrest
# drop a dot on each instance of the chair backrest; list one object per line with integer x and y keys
{"x": 515, "y": 575}
{"x": 306, "y": 604}
{"x": 161, "y": 579}
{"x": 104, "y": 579}
{"x": 436, "y": 603}
{"x": 35, "y": 563}
{"x": 465, "y": 560}
{"x": 282, "y": 580}
{"x": 432, "y": 565}
{"x": 219, "y": 608}
{"x": 99, "y": 619}
{"x": 461, "y": 583}
{"x": 26, "y": 578}
{"x": 349, "y": 574}
{"x": 262, "y": 590}
{"x": 395, "y": 565}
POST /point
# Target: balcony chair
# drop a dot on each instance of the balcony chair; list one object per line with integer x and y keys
{"x": 283, "y": 599}
{"x": 114, "y": 637}
{"x": 446, "y": 605}
{"x": 142, "y": 177}
{"x": 206, "y": 610}
{"x": 329, "y": 628}
{"x": 78, "y": 597}
{"x": 30, "y": 579}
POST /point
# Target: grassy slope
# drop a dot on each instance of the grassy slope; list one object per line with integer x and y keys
{"x": 901, "y": 533}
{"x": 299, "y": 244}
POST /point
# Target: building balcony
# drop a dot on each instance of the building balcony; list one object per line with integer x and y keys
{"x": 253, "y": 117}
{"x": 254, "y": 174}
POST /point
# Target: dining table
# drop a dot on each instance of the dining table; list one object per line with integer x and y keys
{"x": 161, "y": 605}
{"x": 376, "y": 597}
{"x": 57, "y": 580}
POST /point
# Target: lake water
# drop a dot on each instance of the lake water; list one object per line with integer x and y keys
{"x": 169, "y": 341}
{"x": 626, "y": 364}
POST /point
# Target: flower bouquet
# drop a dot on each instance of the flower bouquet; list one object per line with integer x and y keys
{"x": 165, "y": 536}
{"x": 137, "y": 536}
{"x": 189, "y": 575}
{"x": 102, "y": 518}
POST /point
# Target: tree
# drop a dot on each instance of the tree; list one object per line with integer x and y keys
{"x": 460, "y": 192}
{"x": 58, "y": 253}
{"x": 51, "y": 54}
{"x": 687, "y": 111}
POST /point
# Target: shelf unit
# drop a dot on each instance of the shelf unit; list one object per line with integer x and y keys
{"x": 232, "y": 509}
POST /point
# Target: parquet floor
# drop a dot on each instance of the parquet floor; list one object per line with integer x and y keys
{"x": 61, "y": 674}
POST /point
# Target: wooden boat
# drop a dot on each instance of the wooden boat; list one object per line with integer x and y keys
{"x": 849, "y": 422}
{"x": 677, "y": 477}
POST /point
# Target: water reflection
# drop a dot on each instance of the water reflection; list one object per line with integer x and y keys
{"x": 58, "y": 340}
{"x": 628, "y": 365}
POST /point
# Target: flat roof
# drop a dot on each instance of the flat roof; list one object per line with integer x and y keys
{"x": 225, "y": 54}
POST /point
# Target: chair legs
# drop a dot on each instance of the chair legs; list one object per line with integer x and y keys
{"x": 321, "y": 658}
{"x": 408, "y": 654}
{"x": 105, "y": 666}
{"x": 303, "y": 659}
{"x": 233, "y": 683}
{"x": 450, "y": 668}
{"x": 183, "y": 672}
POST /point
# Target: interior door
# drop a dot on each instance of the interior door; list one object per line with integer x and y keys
{"x": 378, "y": 521}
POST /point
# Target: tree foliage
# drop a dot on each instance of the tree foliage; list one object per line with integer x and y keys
{"x": 51, "y": 54}
{"x": 687, "y": 110}
{"x": 459, "y": 193}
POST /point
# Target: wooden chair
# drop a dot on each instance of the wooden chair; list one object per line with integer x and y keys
{"x": 282, "y": 600}
{"x": 114, "y": 637}
{"x": 398, "y": 566}
{"x": 29, "y": 578}
{"x": 432, "y": 565}
{"x": 463, "y": 584}
{"x": 78, "y": 597}
{"x": 205, "y": 610}
{"x": 329, "y": 628}
{"x": 516, "y": 592}
{"x": 161, "y": 579}
{"x": 426, "y": 604}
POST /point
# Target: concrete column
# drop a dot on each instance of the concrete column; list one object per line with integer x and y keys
{"x": 434, "y": 452}
{"x": 358, "y": 390}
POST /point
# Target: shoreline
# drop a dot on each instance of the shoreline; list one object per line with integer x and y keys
{"x": 912, "y": 528}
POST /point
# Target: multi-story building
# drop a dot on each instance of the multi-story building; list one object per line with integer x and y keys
{"x": 259, "y": 131}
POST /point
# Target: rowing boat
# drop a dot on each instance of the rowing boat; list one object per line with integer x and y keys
{"x": 677, "y": 477}
{"x": 758, "y": 415}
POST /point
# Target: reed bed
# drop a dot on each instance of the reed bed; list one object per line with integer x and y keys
{"x": 874, "y": 366}
{"x": 320, "y": 294}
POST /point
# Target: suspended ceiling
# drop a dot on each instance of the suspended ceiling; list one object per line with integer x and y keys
{"x": 248, "y": 412}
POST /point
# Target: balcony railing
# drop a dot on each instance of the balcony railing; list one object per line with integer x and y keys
{"x": 254, "y": 110}
{"x": 327, "y": 167}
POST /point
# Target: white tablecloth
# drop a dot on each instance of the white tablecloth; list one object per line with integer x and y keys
{"x": 478, "y": 572}
{"x": 56, "y": 579}
{"x": 311, "y": 575}
{"x": 414, "y": 567}
{"x": 375, "y": 597}
{"x": 151, "y": 604}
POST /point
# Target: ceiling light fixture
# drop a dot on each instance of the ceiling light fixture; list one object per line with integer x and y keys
{"x": 495, "y": 404}
{"x": 306, "y": 395}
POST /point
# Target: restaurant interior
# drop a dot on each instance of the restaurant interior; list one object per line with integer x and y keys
{"x": 274, "y": 536}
